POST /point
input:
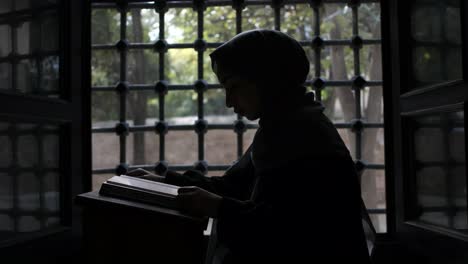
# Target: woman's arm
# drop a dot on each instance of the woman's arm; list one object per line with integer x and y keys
{"x": 236, "y": 182}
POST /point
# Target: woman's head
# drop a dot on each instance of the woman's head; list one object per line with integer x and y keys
{"x": 267, "y": 64}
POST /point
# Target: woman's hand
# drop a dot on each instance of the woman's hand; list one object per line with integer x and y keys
{"x": 144, "y": 174}
{"x": 199, "y": 202}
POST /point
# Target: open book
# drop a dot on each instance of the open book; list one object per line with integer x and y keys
{"x": 141, "y": 190}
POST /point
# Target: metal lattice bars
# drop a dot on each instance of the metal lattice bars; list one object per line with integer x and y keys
{"x": 35, "y": 172}
{"x": 200, "y": 86}
{"x": 29, "y": 175}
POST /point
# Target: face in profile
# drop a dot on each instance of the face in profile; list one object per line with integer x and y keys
{"x": 241, "y": 94}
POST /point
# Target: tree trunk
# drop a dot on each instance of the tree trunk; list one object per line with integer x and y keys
{"x": 338, "y": 68}
{"x": 373, "y": 113}
{"x": 138, "y": 100}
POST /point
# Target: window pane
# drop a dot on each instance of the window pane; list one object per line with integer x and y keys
{"x": 36, "y": 70}
{"x": 222, "y": 22}
{"x": 181, "y": 104}
{"x": 104, "y": 109}
{"x": 373, "y": 194}
{"x": 256, "y": 17}
{"x": 216, "y": 111}
{"x": 142, "y": 25}
{"x": 371, "y": 62}
{"x": 369, "y": 20}
{"x": 28, "y": 191}
{"x": 143, "y": 148}
{"x": 7, "y": 226}
{"x": 452, "y": 24}
{"x": 51, "y": 186}
{"x": 373, "y": 150}
{"x": 24, "y": 41}
{"x": 6, "y": 191}
{"x": 27, "y": 76}
{"x": 220, "y": 147}
{"x": 105, "y": 26}
{"x": 29, "y": 178}
{"x": 436, "y": 31}
{"x": 181, "y": 66}
{"x": 106, "y": 149}
{"x": 439, "y": 170}
{"x": 208, "y": 73}
{"x": 28, "y": 150}
{"x": 142, "y": 107}
{"x": 298, "y": 21}
{"x": 311, "y": 56}
{"x": 5, "y": 6}
{"x": 336, "y": 21}
{"x": 49, "y": 84}
{"x": 5, "y": 76}
{"x": 380, "y": 222}
{"x": 181, "y": 147}
{"x": 105, "y": 68}
{"x": 372, "y": 104}
{"x": 427, "y": 64}
{"x": 50, "y": 149}
{"x": 337, "y": 63}
{"x": 349, "y": 138}
{"x": 142, "y": 67}
{"x": 22, "y": 4}
{"x": 5, "y": 40}
{"x": 425, "y": 23}
{"x": 339, "y": 102}
{"x": 181, "y": 25}
{"x": 50, "y": 33}
{"x": 6, "y": 153}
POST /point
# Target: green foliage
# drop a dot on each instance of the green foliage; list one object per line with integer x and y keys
{"x": 297, "y": 20}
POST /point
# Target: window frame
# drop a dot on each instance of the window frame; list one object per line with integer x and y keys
{"x": 423, "y": 240}
{"x": 70, "y": 111}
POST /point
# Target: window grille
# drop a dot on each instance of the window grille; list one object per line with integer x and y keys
{"x": 318, "y": 45}
{"x": 29, "y": 48}
{"x": 438, "y": 168}
{"x": 29, "y": 178}
{"x": 30, "y": 193}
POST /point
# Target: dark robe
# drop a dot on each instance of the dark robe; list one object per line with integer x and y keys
{"x": 293, "y": 196}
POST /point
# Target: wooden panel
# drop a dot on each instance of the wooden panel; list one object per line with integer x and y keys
{"x": 114, "y": 229}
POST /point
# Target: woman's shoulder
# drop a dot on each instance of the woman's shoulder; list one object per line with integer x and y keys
{"x": 312, "y": 139}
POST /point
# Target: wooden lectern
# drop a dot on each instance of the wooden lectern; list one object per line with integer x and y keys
{"x": 116, "y": 229}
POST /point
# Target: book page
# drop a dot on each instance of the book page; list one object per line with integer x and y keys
{"x": 146, "y": 185}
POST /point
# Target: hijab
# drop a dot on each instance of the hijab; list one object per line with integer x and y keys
{"x": 270, "y": 58}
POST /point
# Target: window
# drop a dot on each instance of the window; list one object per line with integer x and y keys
{"x": 157, "y": 105}
{"x": 435, "y": 129}
{"x": 428, "y": 105}
{"x": 29, "y": 178}
{"x": 41, "y": 125}
{"x": 30, "y": 167}
{"x": 438, "y": 169}
{"x": 29, "y": 48}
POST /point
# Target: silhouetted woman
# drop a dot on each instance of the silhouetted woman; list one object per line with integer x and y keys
{"x": 294, "y": 195}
